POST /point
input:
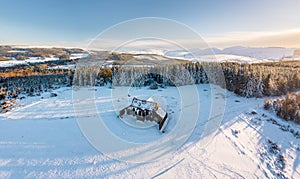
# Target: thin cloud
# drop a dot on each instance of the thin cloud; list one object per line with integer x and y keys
{"x": 288, "y": 38}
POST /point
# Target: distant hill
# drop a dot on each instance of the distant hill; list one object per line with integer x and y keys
{"x": 270, "y": 53}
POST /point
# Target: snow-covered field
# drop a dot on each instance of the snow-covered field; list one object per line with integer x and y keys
{"x": 41, "y": 138}
{"x": 234, "y": 54}
{"x": 229, "y": 58}
{"x": 78, "y": 55}
{"x": 30, "y": 60}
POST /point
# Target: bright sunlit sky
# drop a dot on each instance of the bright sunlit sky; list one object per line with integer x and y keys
{"x": 221, "y": 23}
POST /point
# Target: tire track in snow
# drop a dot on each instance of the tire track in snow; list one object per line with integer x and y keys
{"x": 167, "y": 169}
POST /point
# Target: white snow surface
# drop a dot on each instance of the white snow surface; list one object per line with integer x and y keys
{"x": 150, "y": 57}
{"x": 11, "y": 63}
{"x": 64, "y": 67}
{"x": 30, "y": 60}
{"x": 270, "y": 53}
{"x": 40, "y": 138}
{"x": 40, "y": 60}
{"x": 235, "y": 54}
{"x": 78, "y": 55}
{"x": 228, "y": 58}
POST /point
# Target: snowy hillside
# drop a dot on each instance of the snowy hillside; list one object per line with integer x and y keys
{"x": 12, "y": 56}
{"x": 30, "y": 60}
{"x": 41, "y": 138}
{"x": 271, "y": 53}
{"x": 245, "y": 54}
{"x": 152, "y": 56}
{"x": 217, "y": 58}
{"x": 228, "y": 58}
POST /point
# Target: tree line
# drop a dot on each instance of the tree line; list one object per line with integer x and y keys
{"x": 248, "y": 80}
{"x": 287, "y": 107}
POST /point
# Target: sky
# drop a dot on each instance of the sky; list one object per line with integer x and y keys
{"x": 221, "y": 23}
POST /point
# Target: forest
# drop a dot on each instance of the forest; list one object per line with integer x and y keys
{"x": 247, "y": 80}
{"x": 287, "y": 107}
